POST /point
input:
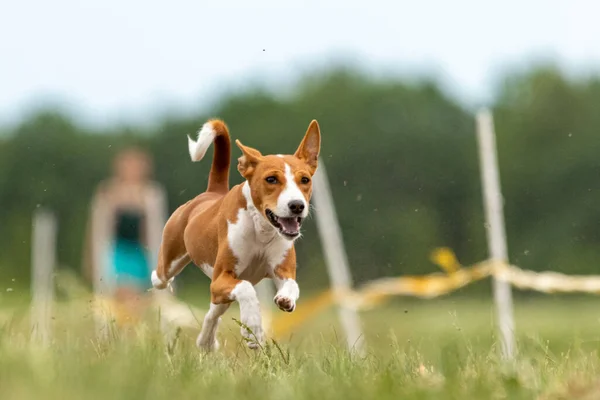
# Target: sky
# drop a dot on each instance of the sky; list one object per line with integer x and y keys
{"x": 114, "y": 61}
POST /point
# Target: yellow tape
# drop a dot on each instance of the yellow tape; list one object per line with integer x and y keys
{"x": 374, "y": 293}
{"x": 445, "y": 258}
{"x": 548, "y": 282}
{"x": 429, "y": 286}
{"x": 287, "y": 322}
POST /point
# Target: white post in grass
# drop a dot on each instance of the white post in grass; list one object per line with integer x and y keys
{"x": 101, "y": 280}
{"x": 43, "y": 258}
{"x": 496, "y": 235}
{"x": 335, "y": 255}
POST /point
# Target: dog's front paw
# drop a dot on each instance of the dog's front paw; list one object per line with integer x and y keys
{"x": 287, "y": 295}
{"x": 253, "y": 336}
{"x": 252, "y": 331}
{"x": 285, "y": 303}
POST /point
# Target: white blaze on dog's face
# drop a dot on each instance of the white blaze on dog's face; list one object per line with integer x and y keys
{"x": 281, "y": 185}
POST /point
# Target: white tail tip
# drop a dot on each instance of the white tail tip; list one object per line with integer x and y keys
{"x": 198, "y": 147}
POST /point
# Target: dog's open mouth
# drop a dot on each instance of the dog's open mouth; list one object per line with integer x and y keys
{"x": 288, "y": 226}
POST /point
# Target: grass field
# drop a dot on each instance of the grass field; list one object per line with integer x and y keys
{"x": 442, "y": 349}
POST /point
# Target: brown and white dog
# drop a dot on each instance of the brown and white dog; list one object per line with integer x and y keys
{"x": 240, "y": 236}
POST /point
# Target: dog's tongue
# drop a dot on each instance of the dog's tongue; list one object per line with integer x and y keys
{"x": 289, "y": 225}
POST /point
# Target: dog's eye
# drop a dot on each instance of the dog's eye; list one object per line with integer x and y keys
{"x": 271, "y": 179}
{"x": 304, "y": 180}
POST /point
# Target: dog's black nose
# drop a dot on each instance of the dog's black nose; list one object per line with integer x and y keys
{"x": 296, "y": 206}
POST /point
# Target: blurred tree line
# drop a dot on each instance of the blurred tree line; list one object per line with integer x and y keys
{"x": 401, "y": 158}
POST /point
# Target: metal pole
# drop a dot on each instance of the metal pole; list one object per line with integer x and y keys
{"x": 42, "y": 274}
{"x": 335, "y": 255}
{"x": 496, "y": 235}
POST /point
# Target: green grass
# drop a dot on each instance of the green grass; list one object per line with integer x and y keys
{"x": 443, "y": 349}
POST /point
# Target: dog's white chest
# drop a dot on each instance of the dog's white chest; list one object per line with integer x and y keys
{"x": 256, "y": 245}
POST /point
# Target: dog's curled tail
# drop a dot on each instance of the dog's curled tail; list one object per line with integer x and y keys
{"x": 215, "y": 131}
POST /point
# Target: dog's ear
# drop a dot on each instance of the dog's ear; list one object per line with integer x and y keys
{"x": 309, "y": 148}
{"x": 247, "y": 162}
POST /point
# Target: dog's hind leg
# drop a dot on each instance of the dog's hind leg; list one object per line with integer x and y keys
{"x": 172, "y": 255}
{"x": 168, "y": 268}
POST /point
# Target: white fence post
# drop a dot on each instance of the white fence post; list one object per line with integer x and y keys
{"x": 335, "y": 255}
{"x": 496, "y": 235}
{"x": 43, "y": 259}
{"x": 101, "y": 279}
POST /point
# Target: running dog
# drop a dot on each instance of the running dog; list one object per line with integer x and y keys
{"x": 240, "y": 236}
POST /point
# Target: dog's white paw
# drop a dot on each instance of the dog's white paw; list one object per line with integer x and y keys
{"x": 287, "y": 295}
{"x": 157, "y": 283}
{"x": 207, "y": 345}
{"x": 285, "y": 303}
{"x": 207, "y": 342}
{"x": 255, "y": 337}
{"x": 250, "y": 316}
{"x": 252, "y": 332}
{"x": 207, "y": 339}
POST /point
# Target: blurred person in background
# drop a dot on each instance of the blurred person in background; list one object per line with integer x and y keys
{"x": 128, "y": 212}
